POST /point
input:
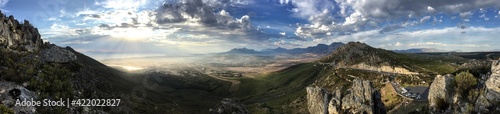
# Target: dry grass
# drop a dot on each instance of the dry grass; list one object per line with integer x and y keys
{"x": 389, "y": 97}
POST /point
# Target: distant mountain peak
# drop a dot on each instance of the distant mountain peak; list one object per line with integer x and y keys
{"x": 243, "y": 50}
{"x": 357, "y": 52}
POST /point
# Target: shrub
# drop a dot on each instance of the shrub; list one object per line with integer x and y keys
{"x": 465, "y": 81}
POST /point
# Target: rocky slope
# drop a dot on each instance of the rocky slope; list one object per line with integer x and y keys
{"x": 360, "y": 98}
{"x": 30, "y": 68}
{"x": 362, "y": 56}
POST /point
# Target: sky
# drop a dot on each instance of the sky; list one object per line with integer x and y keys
{"x": 128, "y": 28}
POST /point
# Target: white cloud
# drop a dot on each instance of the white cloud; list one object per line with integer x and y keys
{"x": 430, "y": 9}
{"x": 465, "y": 15}
{"x": 122, "y": 4}
{"x": 282, "y": 33}
{"x": 3, "y": 3}
{"x": 362, "y": 15}
{"x": 426, "y": 18}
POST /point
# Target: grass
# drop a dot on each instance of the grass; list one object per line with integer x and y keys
{"x": 280, "y": 87}
{"x": 425, "y": 63}
{"x": 389, "y": 97}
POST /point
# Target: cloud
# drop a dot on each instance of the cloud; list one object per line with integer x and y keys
{"x": 465, "y": 15}
{"x": 352, "y": 16}
{"x": 282, "y": 33}
{"x": 3, "y": 2}
{"x": 426, "y": 18}
{"x": 197, "y": 10}
{"x": 390, "y": 28}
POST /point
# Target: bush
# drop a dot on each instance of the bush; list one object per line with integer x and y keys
{"x": 465, "y": 81}
{"x": 5, "y": 110}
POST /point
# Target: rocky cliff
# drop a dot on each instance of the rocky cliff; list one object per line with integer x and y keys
{"x": 361, "y": 97}
{"x": 441, "y": 92}
{"x": 15, "y": 35}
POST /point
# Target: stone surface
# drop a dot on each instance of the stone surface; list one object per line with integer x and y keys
{"x": 317, "y": 98}
{"x": 56, "y": 54}
{"x": 491, "y": 98}
{"x": 360, "y": 98}
{"x": 441, "y": 92}
{"x": 8, "y": 100}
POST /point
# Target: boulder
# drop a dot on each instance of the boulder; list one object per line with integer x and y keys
{"x": 441, "y": 92}
{"x": 56, "y": 54}
{"x": 10, "y": 92}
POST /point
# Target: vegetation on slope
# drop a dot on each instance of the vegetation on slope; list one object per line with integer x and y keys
{"x": 355, "y": 53}
{"x": 279, "y": 88}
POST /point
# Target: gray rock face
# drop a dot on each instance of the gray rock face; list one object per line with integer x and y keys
{"x": 317, "y": 100}
{"x": 56, "y": 54}
{"x": 8, "y": 100}
{"x": 361, "y": 98}
{"x": 493, "y": 83}
{"x": 441, "y": 92}
{"x": 15, "y": 35}
{"x": 491, "y": 97}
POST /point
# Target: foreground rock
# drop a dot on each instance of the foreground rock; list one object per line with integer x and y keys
{"x": 441, "y": 92}
{"x": 56, "y": 54}
{"x": 360, "y": 98}
{"x": 490, "y": 100}
{"x": 317, "y": 100}
{"x": 10, "y": 92}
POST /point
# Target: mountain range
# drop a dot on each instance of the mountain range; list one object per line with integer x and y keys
{"x": 419, "y": 50}
{"x": 320, "y": 49}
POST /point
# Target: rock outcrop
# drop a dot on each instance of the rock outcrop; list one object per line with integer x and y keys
{"x": 56, "y": 54}
{"x": 7, "y": 98}
{"x": 490, "y": 100}
{"x": 317, "y": 100}
{"x": 18, "y": 35}
{"x": 362, "y": 56}
{"x": 441, "y": 92}
{"x": 360, "y": 98}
